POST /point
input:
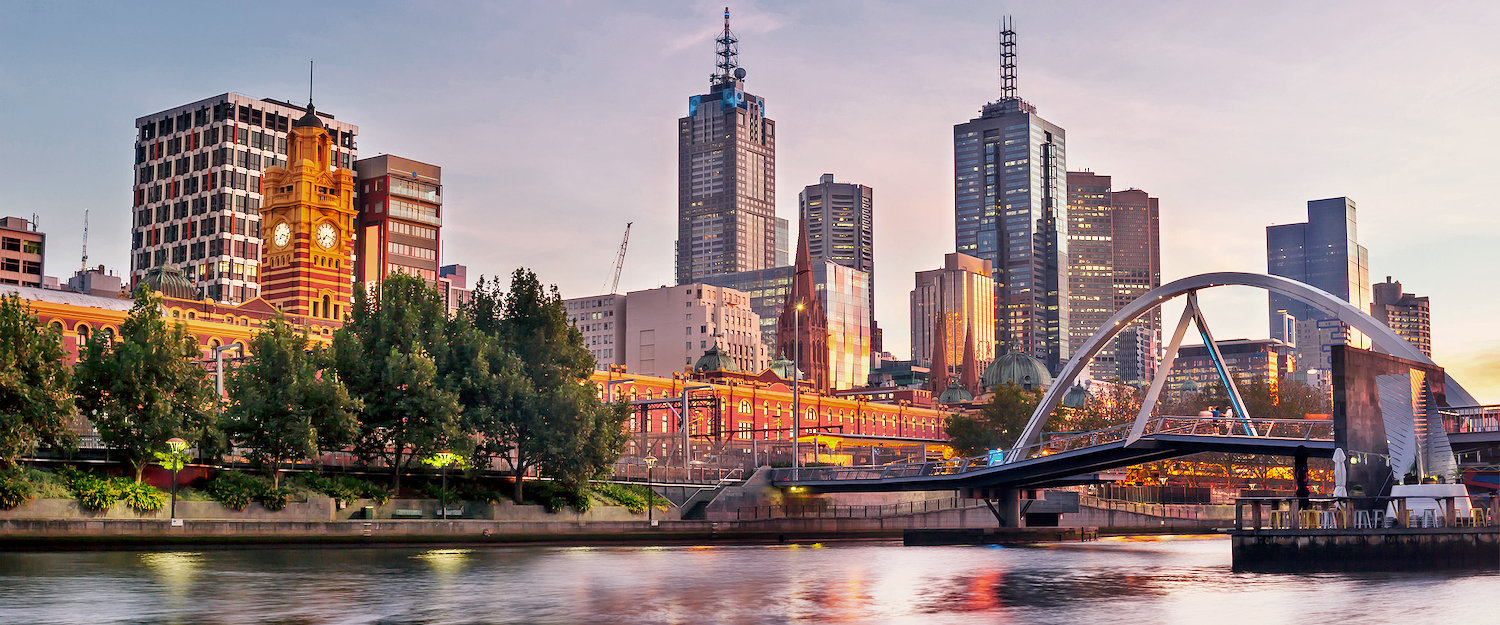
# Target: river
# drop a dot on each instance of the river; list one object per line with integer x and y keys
{"x": 1152, "y": 580}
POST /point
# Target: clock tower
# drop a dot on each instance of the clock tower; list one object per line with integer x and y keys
{"x": 307, "y": 218}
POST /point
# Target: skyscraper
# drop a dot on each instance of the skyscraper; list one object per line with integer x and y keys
{"x": 1010, "y": 208}
{"x": 400, "y": 214}
{"x": 1410, "y": 316}
{"x": 841, "y": 227}
{"x": 1323, "y": 252}
{"x": 1114, "y": 257}
{"x": 726, "y": 175}
{"x": 197, "y": 195}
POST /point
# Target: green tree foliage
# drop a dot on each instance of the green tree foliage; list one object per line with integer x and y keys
{"x": 1113, "y": 405}
{"x": 997, "y": 425}
{"x": 144, "y": 387}
{"x": 36, "y": 390}
{"x": 387, "y": 355}
{"x": 286, "y": 403}
{"x": 1290, "y": 400}
{"x": 544, "y": 413}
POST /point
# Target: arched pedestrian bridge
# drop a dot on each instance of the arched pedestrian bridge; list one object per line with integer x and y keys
{"x": 1072, "y": 458}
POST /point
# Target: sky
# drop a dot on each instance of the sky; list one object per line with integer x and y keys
{"x": 555, "y": 123}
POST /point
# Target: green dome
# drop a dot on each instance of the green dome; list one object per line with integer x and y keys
{"x": 1190, "y": 386}
{"x": 1075, "y": 397}
{"x": 170, "y": 282}
{"x": 955, "y": 395}
{"x": 1019, "y": 369}
{"x": 782, "y": 368}
{"x": 715, "y": 360}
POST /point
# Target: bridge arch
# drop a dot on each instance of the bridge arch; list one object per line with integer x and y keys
{"x": 1381, "y": 335}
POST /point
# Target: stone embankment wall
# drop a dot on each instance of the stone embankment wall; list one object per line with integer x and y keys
{"x": 1366, "y": 550}
{"x": 322, "y": 509}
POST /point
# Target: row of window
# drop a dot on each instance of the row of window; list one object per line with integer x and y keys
{"x": 424, "y": 253}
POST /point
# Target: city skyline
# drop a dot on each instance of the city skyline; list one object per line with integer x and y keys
{"x": 1223, "y": 176}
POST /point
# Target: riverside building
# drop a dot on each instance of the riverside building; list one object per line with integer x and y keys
{"x": 400, "y": 214}
{"x": 198, "y": 193}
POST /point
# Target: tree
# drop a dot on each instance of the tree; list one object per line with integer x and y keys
{"x": 546, "y": 413}
{"x": 144, "y": 387}
{"x": 998, "y": 424}
{"x": 286, "y": 403}
{"x": 1291, "y": 399}
{"x": 1116, "y": 404}
{"x": 36, "y": 388}
{"x": 387, "y": 355}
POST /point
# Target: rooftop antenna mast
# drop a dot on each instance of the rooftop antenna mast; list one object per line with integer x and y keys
{"x": 309, "y": 83}
{"x": 729, "y": 55}
{"x": 1007, "y": 58}
{"x": 85, "y": 265}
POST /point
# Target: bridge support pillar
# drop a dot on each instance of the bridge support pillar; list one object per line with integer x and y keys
{"x": 1299, "y": 474}
{"x": 1004, "y": 503}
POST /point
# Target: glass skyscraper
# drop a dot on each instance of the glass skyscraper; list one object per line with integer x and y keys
{"x": 1323, "y": 252}
{"x": 1010, "y": 205}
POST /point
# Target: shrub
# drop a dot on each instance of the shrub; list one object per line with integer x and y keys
{"x": 633, "y": 497}
{"x": 14, "y": 489}
{"x": 236, "y": 490}
{"x": 555, "y": 497}
{"x": 94, "y": 492}
{"x": 274, "y": 499}
{"x": 345, "y": 488}
{"x": 140, "y": 496}
{"x": 474, "y": 492}
{"x": 46, "y": 484}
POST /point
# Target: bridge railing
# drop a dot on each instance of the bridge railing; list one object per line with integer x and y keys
{"x": 1471, "y": 419}
{"x": 1282, "y": 429}
{"x": 830, "y": 511}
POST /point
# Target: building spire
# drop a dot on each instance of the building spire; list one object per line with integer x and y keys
{"x": 937, "y": 378}
{"x": 728, "y": 51}
{"x": 309, "y": 83}
{"x": 1007, "y": 58}
{"x": 968, "y": 376}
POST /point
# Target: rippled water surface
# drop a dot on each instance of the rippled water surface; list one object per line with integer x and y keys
{"x": 1175, "y": 580}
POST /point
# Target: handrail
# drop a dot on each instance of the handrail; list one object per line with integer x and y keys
{"x": 1197, "y": 425}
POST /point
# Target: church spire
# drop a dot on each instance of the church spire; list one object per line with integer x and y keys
{"x": 937, "y": 379}
{"x": 803, "y": 325}
{"x": 968, "y": 376}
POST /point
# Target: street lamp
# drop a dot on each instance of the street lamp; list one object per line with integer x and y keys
{"x": 441, "y": 460}
{"x": 650, "y": 499}
{"x": 796, "y": 383}
{"x": 177, "y": 446}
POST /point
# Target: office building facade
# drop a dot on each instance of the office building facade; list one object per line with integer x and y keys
{"x": 1410, "y": 316}
{"x": 197, "y": 192}
{"x": 1114, "y": 257}
{"x": 601, "y": 319}
{"x": 1267, "y": 359}
{"x": 23, "y": 253}
{"x": 959, "y": 298}
{"x": 726, "y": 175}
{"x": 844, "y": 296}
{"x": 400, "y": 215}
{"x": 1323, "y": 252}
{"x": 668, "y": 329}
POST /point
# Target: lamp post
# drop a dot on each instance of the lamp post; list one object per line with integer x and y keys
{"x": 650, "y": 498}
{"x": 441, "y": 460}
{"x": 796, "y": 383}
{"x": 177, "y": 446}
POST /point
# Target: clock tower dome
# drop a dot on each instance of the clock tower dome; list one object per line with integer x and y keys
{"x": 307, "y": 218}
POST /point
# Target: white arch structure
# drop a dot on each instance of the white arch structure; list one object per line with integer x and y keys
{"x": 1383, "y": 338}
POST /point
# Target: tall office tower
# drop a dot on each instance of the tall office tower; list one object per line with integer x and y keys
{"x": 1114, "y": 257}
{"x": 957, "y": 299}
{"x": 1323, "y": 252}
{"x": 1136, "y": 232}
{"x": 198, "y": 171}
{"x": 400, "y": 212}
{"x": 309, "y": 215}
{"x": 1091, "y": 265}
{"x": 1410, "y": 316}
{"x": 1010, "y": 208}
{"x": 23, "y": 252}
{"x": 841, "y": 227}
{"x": 783, "y": 242}
{"x": 726, "y": 175}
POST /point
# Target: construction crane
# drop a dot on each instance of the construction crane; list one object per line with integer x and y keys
{"x": 620, "y": 260}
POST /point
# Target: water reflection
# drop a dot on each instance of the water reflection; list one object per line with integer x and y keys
{"x": 1111, "y": 581}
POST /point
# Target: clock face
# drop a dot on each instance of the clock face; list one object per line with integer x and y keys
{"x": 282, "y": 234}
{"x": 327, "y": 236}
